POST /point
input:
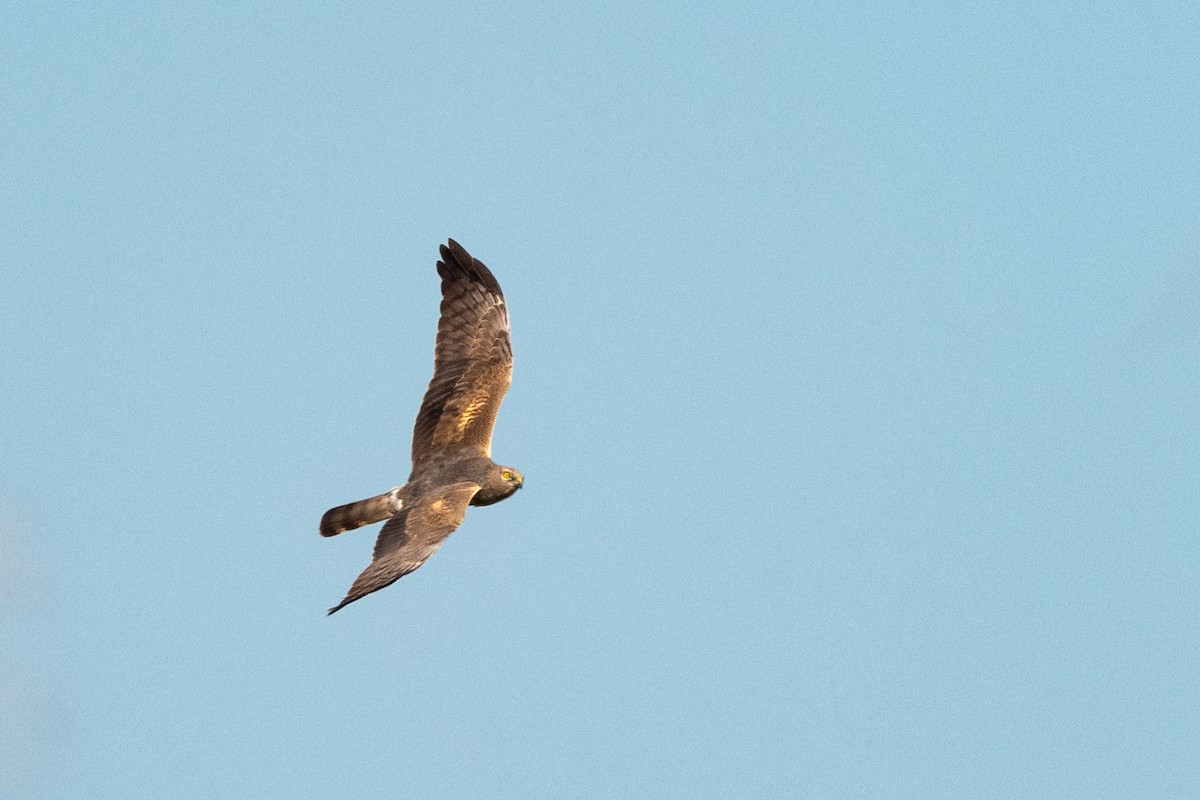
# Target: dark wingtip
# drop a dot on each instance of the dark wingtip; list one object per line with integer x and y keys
{"x": 455, "y": 255}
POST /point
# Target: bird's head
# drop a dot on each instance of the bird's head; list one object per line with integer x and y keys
{"x": 512, "y": 477}
{"x": 502, "y": 482}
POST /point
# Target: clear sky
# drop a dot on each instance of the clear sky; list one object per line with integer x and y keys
{"x": 856, "y": 394}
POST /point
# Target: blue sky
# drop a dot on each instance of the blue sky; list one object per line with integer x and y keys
{"x": 855, "y": 392}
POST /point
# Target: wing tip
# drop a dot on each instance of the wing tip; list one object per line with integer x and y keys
{"x": 347, "y": 600}
{"x": 454, "y": 255}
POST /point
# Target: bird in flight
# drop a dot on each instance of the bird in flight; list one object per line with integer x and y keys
{"x": 452, "y": 438}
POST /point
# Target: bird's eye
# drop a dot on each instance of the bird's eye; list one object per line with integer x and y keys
{"x": 506, "y": 475}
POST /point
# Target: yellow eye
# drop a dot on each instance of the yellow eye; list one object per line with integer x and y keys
{"x": 506, "y": 475}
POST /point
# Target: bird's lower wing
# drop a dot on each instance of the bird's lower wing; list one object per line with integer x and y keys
{"x": 411, "y": 537}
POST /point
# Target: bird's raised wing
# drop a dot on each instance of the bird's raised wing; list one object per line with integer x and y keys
{"x": 411, "y": 537}
{"x": 472, "y": 365}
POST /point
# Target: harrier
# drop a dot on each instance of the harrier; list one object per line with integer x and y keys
{"x": 452, "y": 438}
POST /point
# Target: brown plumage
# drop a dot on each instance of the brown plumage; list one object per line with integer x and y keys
{"x": 452, "y": 437}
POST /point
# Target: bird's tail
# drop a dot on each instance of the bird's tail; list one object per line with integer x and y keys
{"x": 364, "y": 512}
